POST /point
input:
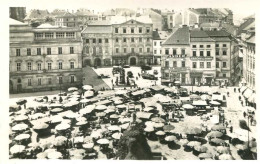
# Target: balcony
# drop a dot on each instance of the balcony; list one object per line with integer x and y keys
{"x": 201, "y": 58}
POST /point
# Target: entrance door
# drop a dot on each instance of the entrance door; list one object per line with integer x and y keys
{"x": 11, "y": 87}
{"x": 87, "y": 62}
{"x": 97, "y": 62}
{"x": 133, "y": 61}
{"x": 19, "y": 87}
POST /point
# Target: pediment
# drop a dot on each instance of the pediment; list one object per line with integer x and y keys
{"x": 132, "y": 22}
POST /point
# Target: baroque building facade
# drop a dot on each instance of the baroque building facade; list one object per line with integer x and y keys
{"x": 44, "y": 58}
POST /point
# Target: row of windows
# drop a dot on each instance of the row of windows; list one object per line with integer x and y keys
{"x": 174, "y": 51}
{"x": 208, "y": 46}
{"x": 183, "y": 64}
{"x": 224, "y": 64}
{"x": 132, "y": 30}
{"x": 95, "y": 50}
{"x": 166, "y": 75}
{"x": 39, "y": 66}
{"x": 49, "y": 80}
{"x": 194, "y": 64}
{"x": 133, "y": 40}
{"x": 50, "y": 35}
{"x": 155, "y": 43}
{"x": 194, "y": 53}
{"x": 133, "y": 50}
{"x": 94, "y": 40}
{"x": 39, "y": 51}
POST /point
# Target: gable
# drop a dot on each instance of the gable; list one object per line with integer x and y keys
{"x": 132, "y": 22}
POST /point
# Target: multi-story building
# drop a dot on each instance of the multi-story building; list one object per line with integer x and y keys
{"x": 155, "y": 16}
{"x": 158, "y": 38}
{"x": 176, "y": 57}
{"x": 203, "y": 61}
{"x": 97, "y": 44}
{"x": 44, "y": 58}
{"x": 224, "y": 51}
{"x": 132, "y": 40}
{"x": 67, "y": 19}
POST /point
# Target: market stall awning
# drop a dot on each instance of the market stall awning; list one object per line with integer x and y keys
{"x": 252, "y": 98}
{"x": 140, "y": 92}
{"x": 144, "y": 115}
{"x": 243, "y": 88}
{"x": 248, "y": 92}
{"x": 199, "y": 103}
{"x": 217, "y": 97}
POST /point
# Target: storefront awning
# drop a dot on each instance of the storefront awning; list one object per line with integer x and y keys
{"x": 248, "y": 92}
{"x": 252, "y": 98}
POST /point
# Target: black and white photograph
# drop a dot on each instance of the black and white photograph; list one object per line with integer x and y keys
{"x": 133, "y": 80}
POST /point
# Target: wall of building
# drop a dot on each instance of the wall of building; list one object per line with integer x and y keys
{"x": 250, "y": 65}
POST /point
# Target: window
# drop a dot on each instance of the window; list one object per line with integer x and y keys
{"x": 140, "y": 39}
{"x": 132, "y": 50}
{"x": 124, "y": 40}
{"x": 18, "y": 52}
{"x": 201, "y": 64}
{"x": 154, "y": 43}
{"x": 224, "y": 45}
{"x": 18, "y": 66}
{"x": 217, "y": 45}
{"x": 155, "y": 51}
{"x": 160, "y": 51}
{"x": 148, "y": 49}
{"x": 39, "y": 66}
{"x": 117, "y": 50}
{"x": 183, "y": 51}
{"x": 224, "y": 75}
{"x": 117, "y": 40}
{"x": 132, "y": 30}
{"x": 217, "y": 52}
{"x": 72, "y": 79}
{"x": 38, "y": 35}
{"x": 71, "y": 50}
{"x": 38, "y": 51}
{"x": 48, "y": 35}
{"x": 224, "y": 64}
{"x": 194, "y": 65}
{"x": 140, "y": 30}
{"x": 201, "y": 53}
{"x": 224, "y": 52}
{"x": 87, "y": 40}
{"x": 29, "y": 82}
{"x": 194, "y": 46}
{"x": 106, "y": 40}
{"x": 148, "y": 39}
{"x": 183, "y": 63}
{"x": 124, "y": 50}
{"x": 208, "y": 64}
{"x": 39, "y": 81}
{"x": 71, "y": 65}
{"x": 70, "y": 34}
{"x": 217, "y": 64}
{"x": 167, "y": 64}
{"x": 48, "y": 51}
{"x": 99, "y": 40}
{"x": 174, "y": 51}
{"x": 194, "y": 53}
{"x": 49, "y": 66}
{"x": 60, "y": 50}
{"x": 140, "y": 50}
{"x": 208, "y": 53}
{"x": 60, "y": 65}
{"x": 167, "y": 51}
{"x": 147, "y": 30}
{"x": 59, "y": 34}
{"x": 29, "y": 51}
{"x": 49, "y": 80}
{"x": 160, "y": 43}
{"x": 124, "y": 30}
{"x": 60, "y": 80}
{"x": 87, "y": 50}
{"x": 132, "y": 39}
{"x": 94, "y": 40}
{"x": 174, "y": 64}
{"x": 100, "y": 50}
{"x": 116, "y": 30}
{"x": 208, "y": 46}
{"x": 29, "y": 66}
{"x": 201, "y": 46}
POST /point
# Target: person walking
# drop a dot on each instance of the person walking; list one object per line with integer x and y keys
{"x": 231, "y": 129}
{"x": 244, "y": 114}
{"x": 235, "y": 90}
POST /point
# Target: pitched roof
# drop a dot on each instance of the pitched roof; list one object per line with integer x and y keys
{"x": 221, "y": 39}
{"x": 244, "y": 25}
{"x": 100, "y": 23}
{"x": 251, "y": 39}
{"x": 160, "y": 35}
{"x": 15, "y": 22}
{"x": 200, "y": 36}
{"x": 180, "y": 36}
{"x": 123, "y": 19}
{"x": 220, "y": 33}
{"x": 97, "y": 29}
{"x": 83, "y": 12}
{"x": 214, "y": 24}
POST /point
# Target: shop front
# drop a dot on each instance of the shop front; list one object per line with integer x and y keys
{"x": 196, "y": 78}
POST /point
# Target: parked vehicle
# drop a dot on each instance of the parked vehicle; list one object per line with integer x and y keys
{"x": 149, "y": 76}
{"x": 146, "y": 67}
